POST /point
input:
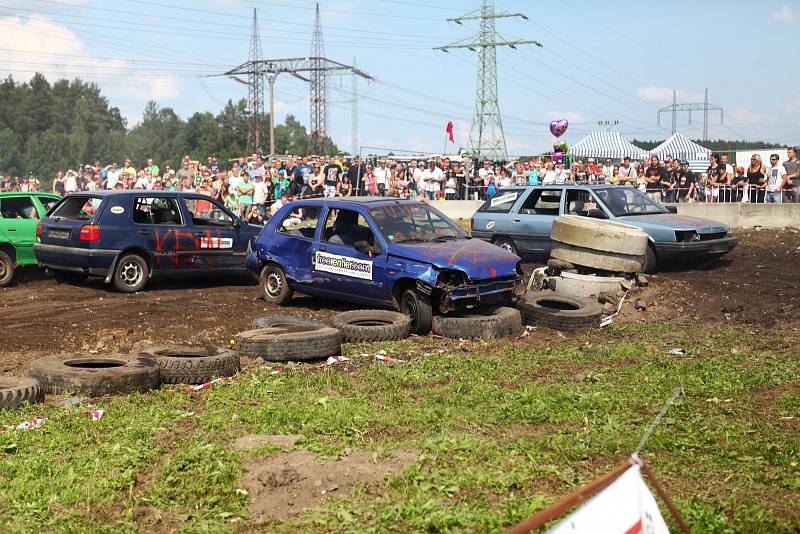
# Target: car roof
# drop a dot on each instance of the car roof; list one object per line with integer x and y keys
{"x": 28, "y": 193}
{"x": 561, "y": 186}
{"x": 371, "y": 202}
{"x": 136, "y": 192}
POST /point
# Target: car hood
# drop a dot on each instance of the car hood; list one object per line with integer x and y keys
{"x": 478, "y": 259}
{"x": 670, "y": 221}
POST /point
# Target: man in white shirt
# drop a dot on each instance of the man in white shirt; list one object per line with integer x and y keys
{"x": 71, "y": 181}
{"x": 112, "y": 176}
{"x": 382, "y": 177}
{"x": 776, "y": 179}
{"x": 432, "y": 178}
{"x": 260, "y": 195}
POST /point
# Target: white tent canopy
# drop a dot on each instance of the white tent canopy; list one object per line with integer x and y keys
{"x": 606, "y": 145}
{"x": 681, "y": 147}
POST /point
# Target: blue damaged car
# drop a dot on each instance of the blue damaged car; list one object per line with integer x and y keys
{"x": 519, "y": 219}
{"x": 381, "y": 252}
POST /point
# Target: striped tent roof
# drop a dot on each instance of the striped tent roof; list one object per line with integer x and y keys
{"x": 681, "y": 147}
{"x": 606, "y": 145}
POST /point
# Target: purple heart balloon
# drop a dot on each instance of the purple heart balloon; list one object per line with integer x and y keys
{"x": 558, "y": 128}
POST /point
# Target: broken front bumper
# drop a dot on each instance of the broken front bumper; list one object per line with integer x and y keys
{"x": 474, "y": 294}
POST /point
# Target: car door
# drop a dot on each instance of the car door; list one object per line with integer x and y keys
{"x": 292, "y": 244}
{"x": 18, "y": 221}
{"x": 217, "y": 234}
{"x": 344, "y": 270}
{"x": 532, "y": 220}
{"x": 161, "y": 229}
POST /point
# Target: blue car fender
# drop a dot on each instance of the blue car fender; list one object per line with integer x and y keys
{"x": 422, "y": 273}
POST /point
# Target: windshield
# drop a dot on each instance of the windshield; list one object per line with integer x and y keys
{"x": 415, "y": 223}
{"x": 625, "y": 201}
{"x": 79, "y": 208}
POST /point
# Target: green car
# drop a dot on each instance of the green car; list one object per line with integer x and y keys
{"x": 19, "y": 216}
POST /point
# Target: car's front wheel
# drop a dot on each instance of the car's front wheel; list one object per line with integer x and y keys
{"x": 130, "y": 274}
{"x": 274, "y": 286}
{"x": 506, "y": 243}
{"x": 418, "y": 307}
{"x": 6, "y": 269}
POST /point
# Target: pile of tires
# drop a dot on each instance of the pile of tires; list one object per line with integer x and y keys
{"x": 559, "y": 312}
{"x": 491, "y": 323}
{"x": 601, "y": 245}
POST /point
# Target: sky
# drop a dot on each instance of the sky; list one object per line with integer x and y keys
{"x": 613, "y": 60}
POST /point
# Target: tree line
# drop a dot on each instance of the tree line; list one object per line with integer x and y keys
{"x": 48, "y": 127}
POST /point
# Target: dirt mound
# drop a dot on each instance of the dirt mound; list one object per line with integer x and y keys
{"x": 285, "y": 484}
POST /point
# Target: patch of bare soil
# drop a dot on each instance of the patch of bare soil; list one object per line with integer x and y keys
{"x": 285, "y": 484}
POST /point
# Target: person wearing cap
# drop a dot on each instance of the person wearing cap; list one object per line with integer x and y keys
{"x": 737, "y": 185}
{"x": 687, "y": 183}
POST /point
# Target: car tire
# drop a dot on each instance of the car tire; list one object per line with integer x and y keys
{"x": 14, "y": 391}
{"x": 418, "y": 307}
{"x": 68, "y": 277}
{"x": 559, "y": 312}
{"x": 130, "y": 274}
{"x": 650, "y": 260}
{"x": 270, "y": 321}
{"x": 360, "y": 326}
{"x": 289, "y": 343}
{"x": 506, "y": 243}
{"x": 186, "y": 365}
{"x": 95, "y": 376}
{"x": 274, "y": 286}
{"x": 479, "y": 324}
{"x": 6, "y": 269}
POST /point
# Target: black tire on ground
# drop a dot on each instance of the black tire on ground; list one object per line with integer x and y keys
{"x": 372, "y": 325}
{"x": 15, "y": 390}
{"x": 67, "y": 277}
{"x": 130, "y": 274}
{"x": 270, "y": 321}
{"x": 419, "y": 308}
{"x": 559, "y": 312}
{"x": 6, "y": 269}
{"x": 479, "y": 324}
{"x": 187, "y": 365}
{"x": 650, "y": 260}
{"x": 274, "y": 286}
{"x": 506, "y": 243}
{"x": 95, "y": 375}
{"x": 290, "y": 343}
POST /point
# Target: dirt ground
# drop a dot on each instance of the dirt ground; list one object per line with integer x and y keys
{"x": 755, "y": 286}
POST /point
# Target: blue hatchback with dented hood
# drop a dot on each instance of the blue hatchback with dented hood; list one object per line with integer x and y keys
{"x": 400, "y": 254}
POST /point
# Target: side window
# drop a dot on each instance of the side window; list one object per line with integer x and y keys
{"x": 502, "y": 203}
{"x": 542, "y": 202}
{"x": 207, "y": 213}
{"x": 579, "y": 202}
{"x": 48, "y": 203}
{"x": 301, "y": 222}
{"x": 17, "y": 208}
{"x": 156, "y": 210}
{"x": 346, "y": 227}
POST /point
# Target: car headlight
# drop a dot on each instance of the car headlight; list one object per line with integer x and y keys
{"x": 686, "y": 236}
{"x": 451, "y": 277}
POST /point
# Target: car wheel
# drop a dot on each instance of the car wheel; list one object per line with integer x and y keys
{"x": 274, "y": 286}
{"x": 479, "y": 324}
{"x": 418, "y": 307}
{"x": 66, "y": 277}
{"x": 650, "y": 260}
{"x": 6, "y": 269}
{"x": 130, "y": 274}
{"x": 506, "y": 243}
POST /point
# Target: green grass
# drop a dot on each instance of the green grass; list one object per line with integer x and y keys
{"x": 501, "y": 431}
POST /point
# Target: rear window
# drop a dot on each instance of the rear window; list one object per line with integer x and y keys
{"x": 79, "y": 208}
{"x": 502, "y": 202}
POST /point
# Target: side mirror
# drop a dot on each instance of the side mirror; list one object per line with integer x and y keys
{"x": 672, "y": 209}
{"x": 365, "y": 248}
{"x": 596, "y": 213}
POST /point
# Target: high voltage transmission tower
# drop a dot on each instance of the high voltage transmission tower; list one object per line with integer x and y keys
{"x": 704, "y": 106}
{"x": 486, "y": 133}
{"x": 317, "y": 66}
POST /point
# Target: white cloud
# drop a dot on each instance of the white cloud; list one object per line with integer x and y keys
{"x": 745, "y": 116}
{"x": 38, "y": 44}
{"x": 783, "y": 15}
{"x": 652, "y": 93}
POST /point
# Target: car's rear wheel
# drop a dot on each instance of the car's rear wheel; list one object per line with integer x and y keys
{"x": 506, "y": 243}
{"x": 6, "y": 269}
{"x": 130, "y": 274}
{"x": 274, "y": 286}
{"x": 418, "y": 307}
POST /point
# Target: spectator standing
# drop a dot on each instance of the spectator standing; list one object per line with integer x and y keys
{"x": 627, "y": 173}
{"x": 737, "y": 186}
{"x": 356, "y": 173}
{"x": 776, "y": 179}
{"x": 371, "y": 184}
{"x": 756, "y": 179}
{"x": 260, "y": 193}
{"x": 152, "y": 167}
{"x": 432, "y": 178}
{"x": 59, "y": 184}
{"x": 112, "y": 176}
{"x": 245, "y": 191}
{"x": 71, "y": 181}
{"x": 128, "y": 172}
{"x": 655, "y": 177}
{"x": 382, "y": 177}
{"x": 714, "y": 174}
{"x": 450, "y": 185}
{"x": 608, "y": 169}
{"x": 331, "y": 173}
{"x": 673, "y": 179}
{"x": 792, "y": 168}
{"x": 687, "y": 184}
{"x": 184, "y": 172}
{"x": 345, "y": 186}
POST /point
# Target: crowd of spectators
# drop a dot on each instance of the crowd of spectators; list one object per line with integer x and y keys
{"x": 257, "y": 186}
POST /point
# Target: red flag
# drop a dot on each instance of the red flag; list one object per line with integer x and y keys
{"x": 449, "y": 131}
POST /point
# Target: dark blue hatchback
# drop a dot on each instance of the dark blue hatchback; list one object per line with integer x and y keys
{"x": 129, "y": 237}
{"x": 381, "y": 252}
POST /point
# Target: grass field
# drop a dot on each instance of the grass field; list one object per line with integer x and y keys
{"x": 500, "y": 431}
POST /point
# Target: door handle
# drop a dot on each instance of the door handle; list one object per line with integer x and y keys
{"x": 12, "y": 229}
{"x": 323, "y": 248}
{"x": 199, "y": 234}
{"x": 516, "y": 220}
{"x": 143, "y": 232}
